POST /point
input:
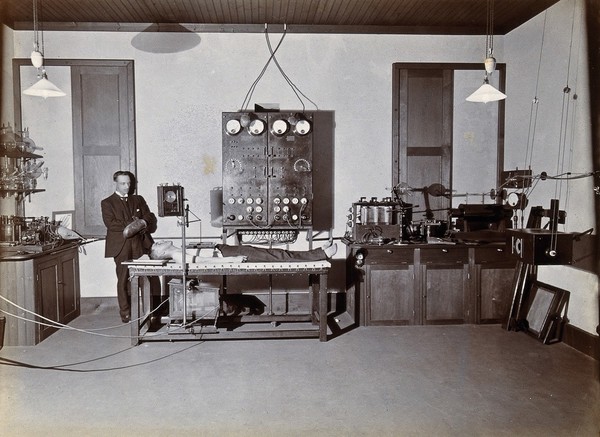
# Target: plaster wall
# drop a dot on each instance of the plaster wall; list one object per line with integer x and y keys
{"x": 554, "y": 134}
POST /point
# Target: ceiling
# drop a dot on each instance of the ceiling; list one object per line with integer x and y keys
{"x": 435, "y": 17}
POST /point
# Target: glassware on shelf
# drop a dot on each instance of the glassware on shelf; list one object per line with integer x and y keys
{"x": 7, "y": 139}
{"x": 25, "y": 143}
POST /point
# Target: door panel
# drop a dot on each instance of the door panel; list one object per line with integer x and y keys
{"x": 103, "y": 136}
{"x": 445, "y": 294}
{"x": 390, "y": 295}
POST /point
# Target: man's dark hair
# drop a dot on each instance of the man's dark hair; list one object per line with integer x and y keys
{"x": 122, "y": 173}
{"x": 132, "y": 179}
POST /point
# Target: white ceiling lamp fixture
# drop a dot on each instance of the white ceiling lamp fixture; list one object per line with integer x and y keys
{"x": 43, "y": 87}
{"x": 486, "y": 92}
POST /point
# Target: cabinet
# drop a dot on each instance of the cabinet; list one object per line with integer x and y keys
{"x": 46, "y": 284}
{"x": 428, "y": 284}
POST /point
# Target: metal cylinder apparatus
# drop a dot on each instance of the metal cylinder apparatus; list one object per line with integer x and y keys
{"x": 10, "y": 228}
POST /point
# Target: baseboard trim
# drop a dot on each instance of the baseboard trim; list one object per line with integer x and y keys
{"x": 583, "y": 341}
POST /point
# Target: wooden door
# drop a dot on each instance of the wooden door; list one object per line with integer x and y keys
{"x": 103, "y": 136}
{"x": 424, "y": 129}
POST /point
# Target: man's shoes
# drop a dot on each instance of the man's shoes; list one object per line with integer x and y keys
{"x": 126, "y": 318}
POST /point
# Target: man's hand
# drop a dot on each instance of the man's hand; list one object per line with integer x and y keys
{"x": 135, "y": 227}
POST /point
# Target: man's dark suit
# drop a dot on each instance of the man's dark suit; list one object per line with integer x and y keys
{"x": 116, "y": 214}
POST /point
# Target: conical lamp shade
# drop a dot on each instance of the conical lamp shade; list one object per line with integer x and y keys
{"x": 486, "y": 93}
{"x": 44, "y": 88}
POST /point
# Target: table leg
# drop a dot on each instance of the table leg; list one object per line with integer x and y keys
{"x": 135, "y": 310}
{"x": 323, "y": 307}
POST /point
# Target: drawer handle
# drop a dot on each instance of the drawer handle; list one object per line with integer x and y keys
{"x": 445, "y": 250}
{"x": 389, "y": 251}
{"x": 500, "y": 250}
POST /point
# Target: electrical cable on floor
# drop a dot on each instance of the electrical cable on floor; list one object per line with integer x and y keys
{"x": 58, "y": 325}
{"x": 61, "y": 367}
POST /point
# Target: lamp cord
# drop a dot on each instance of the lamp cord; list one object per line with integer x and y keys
{"x": 489, "y": 40}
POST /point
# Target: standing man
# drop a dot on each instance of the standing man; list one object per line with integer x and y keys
{"x": 129, "y": 223}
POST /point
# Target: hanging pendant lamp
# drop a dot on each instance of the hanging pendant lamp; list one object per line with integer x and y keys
{"x": 43, "y": 87}
{"x": 486, "y": 92}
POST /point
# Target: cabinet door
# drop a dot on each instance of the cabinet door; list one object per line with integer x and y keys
{"x": 47, "y": 278}
{"x": 445, "y": 297}
{"x": 68, "y": 290}
{"x": 495, "y": 270}
{"x": 495, "y": 293}
{"x": 390, "y": 295}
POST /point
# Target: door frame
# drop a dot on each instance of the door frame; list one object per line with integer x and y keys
{"x": 397, "y": 111}
{"x": 17, "y": 63}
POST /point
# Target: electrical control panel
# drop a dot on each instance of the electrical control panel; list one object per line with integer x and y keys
{"x": 267, "y": 169}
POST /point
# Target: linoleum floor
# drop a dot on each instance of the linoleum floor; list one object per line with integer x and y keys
{"x": 461, "y": 380}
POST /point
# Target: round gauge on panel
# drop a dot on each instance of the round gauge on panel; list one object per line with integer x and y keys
{"x": 302, "y": 127}
{"x": 512, "y": 199}
{"x": 517, "y": 200}
{"x": 301, "y": 165}
{"x": 256, "y": 127}
{"x": 280, "y": 127}
{"x": 233, "y": 127}
{"x": 170, "y": 196}
{"x": 234, "y": 165}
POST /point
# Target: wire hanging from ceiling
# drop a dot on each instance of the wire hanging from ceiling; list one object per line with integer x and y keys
{"x": 567, "y": 123}
{"x": 489, "y": 28}
{"x": 567, "y": 132}
{"x": 533, "y": 113}
{"x": 562, "y": 140}
{"x": 272, "y": 57}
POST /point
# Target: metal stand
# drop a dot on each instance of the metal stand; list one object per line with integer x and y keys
{"x": 183, "y": 222}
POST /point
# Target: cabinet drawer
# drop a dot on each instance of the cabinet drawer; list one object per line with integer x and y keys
{"x": 389, "y": 255}
{"x": 444, "y": 255}
{"x": 493, "y": 255}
